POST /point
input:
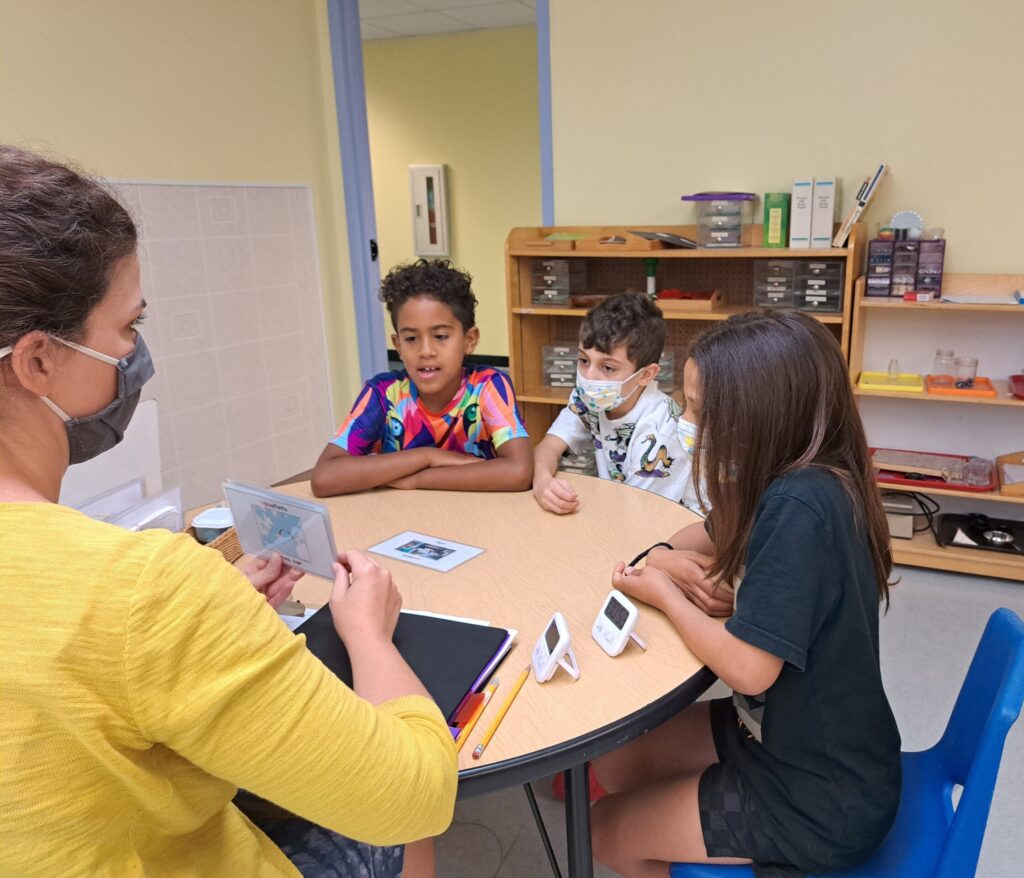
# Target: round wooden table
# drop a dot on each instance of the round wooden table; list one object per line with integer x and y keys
{"x": 533, "y": 564}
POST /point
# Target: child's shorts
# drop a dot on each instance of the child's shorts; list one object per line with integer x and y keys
{"x": 729, "y": 818}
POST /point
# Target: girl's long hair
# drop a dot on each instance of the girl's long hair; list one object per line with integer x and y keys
{"x": 775, "y": 397}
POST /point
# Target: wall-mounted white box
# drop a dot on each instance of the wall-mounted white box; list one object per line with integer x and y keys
{"x": 428, "y": 196}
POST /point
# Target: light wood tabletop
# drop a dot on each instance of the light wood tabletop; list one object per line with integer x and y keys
{"x": 533, "y": 564}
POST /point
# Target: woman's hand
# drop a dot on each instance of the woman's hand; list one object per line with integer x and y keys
{"x": 688, "y": 571}
{"x": 647, "y": 584}
{"x": 365, "y": 602}
{"x": 272, "y": 578}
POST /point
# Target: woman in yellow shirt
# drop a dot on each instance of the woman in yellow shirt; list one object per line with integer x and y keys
{"x": 143, "y": 680}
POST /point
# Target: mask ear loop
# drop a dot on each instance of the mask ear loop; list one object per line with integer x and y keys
{"x": 89, "y": 352}
{"x": 56, "y": 409}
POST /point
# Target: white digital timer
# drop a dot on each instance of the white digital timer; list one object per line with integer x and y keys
{"x": 615, "y": 623}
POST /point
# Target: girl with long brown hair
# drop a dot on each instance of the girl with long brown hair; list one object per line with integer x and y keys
{"x": 800, "y": 769}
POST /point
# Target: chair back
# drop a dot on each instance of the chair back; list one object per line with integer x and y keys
{"x": 968, "y": 754}
{"x": 971, "y": 747}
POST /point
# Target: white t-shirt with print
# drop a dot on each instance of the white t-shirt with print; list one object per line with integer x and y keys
{"x": 641, "y": 449}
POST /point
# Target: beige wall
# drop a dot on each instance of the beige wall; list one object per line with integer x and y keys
{"x": 232, "y": 90}
{"x": 657, "y": 98}
{"x": 467, "y": 100}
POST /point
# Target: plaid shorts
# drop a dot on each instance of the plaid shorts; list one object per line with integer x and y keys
{"x": 319, "y": 853}
{"x": 729, "y": 818}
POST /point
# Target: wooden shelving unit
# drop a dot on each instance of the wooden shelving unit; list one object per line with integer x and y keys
{"x": 613, "y": 270}
{"x": 1002, "y": 388}
{"x": 923, "y": 550}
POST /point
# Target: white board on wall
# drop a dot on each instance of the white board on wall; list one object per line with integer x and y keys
{"x": 236, "y": 329}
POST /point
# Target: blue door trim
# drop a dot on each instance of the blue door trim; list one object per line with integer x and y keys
{"x": 547, "y": 186}
{"x": 353, "y": 136}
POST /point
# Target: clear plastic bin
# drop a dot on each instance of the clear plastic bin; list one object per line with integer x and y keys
{"x": 829, "y": 301}
{"x": 773, "y": 296}
{"x": 721, "y": 217}
{"x": 555, "y": 378}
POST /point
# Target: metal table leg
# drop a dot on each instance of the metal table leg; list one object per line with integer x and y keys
{"x": 577, "y": 821}
{"x": 543, "y": 830}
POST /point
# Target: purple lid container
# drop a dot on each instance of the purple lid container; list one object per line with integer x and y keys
{"x": 720, "y": 196}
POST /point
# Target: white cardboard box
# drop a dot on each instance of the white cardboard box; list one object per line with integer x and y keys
{"x": 800, "y": 212}
{"x": 823, "y": 212}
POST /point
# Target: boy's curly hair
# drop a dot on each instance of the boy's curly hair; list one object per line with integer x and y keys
{"x": 629, "y": 319}
{"x": 438, "y": 279}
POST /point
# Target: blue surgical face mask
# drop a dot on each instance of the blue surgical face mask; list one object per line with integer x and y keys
{"x": 91, "y": 435}
{"x": 603, "y": 396}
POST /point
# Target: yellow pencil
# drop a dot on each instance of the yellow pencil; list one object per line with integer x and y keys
{"x": 464, "y": 734}
{"x": 479, "y": 751}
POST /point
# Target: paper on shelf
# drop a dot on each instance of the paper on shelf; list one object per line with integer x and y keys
{"x": 961, "y": 539}
{"x": 981, "y": 299}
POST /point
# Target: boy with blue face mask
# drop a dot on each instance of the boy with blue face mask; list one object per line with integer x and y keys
{"x": 617, "y": 409}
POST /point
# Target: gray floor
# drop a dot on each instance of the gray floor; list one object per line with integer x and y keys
{"x": 928, "y": 638}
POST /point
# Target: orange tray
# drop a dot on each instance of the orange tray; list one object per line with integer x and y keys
{"x": 946, "y": 385}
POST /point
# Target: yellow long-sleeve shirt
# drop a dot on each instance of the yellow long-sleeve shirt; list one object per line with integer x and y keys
{"x": 143, "y": 679}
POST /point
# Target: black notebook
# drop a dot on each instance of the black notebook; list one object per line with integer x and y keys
{"x": 448, "y": 656}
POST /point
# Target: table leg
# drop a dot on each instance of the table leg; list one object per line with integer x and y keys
{"x": 577, "y": 821}
{"x": 543, "y": 830}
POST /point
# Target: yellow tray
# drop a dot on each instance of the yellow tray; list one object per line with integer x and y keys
{"x": 908, "y": 382}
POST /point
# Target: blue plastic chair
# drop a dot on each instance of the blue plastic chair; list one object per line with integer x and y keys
{"x": 930, "y": 838}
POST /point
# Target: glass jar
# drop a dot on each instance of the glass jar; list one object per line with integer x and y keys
{"x": 944, "y": 362}
{"x": 966, "y": 371}
{"x": 978, "y": 472}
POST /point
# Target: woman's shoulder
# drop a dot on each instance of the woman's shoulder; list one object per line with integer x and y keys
{"x": 66, "y": 538}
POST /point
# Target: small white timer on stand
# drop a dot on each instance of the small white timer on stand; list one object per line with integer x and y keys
{"x": 615, "y": 624}
{"x": 553, "y": 650}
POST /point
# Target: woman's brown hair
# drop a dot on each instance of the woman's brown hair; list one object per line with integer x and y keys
{"x": 60, "y": 235}
{"x": 775, "y": 397}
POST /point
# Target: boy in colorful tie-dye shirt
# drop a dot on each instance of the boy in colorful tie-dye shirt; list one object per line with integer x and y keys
{"x": 436, "y": 423}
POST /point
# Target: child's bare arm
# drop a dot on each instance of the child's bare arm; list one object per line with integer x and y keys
{"x": 553, "y": 494}
{"x": 688, "y": 564}
{"x": 740, "y": 665}
{"x": 694, "y": 537}
{"x": 338, "y": 472}
{"x": 511, "y": 470}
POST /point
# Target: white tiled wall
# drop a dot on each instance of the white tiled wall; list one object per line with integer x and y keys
{"x": 236, "y": 330}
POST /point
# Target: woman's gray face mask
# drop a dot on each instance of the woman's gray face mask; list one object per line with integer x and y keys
{"x": 91, "y": 435}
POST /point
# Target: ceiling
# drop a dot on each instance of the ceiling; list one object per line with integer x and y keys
{"x": 386, "y": 19}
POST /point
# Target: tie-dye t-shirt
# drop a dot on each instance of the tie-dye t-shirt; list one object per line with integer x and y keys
{"x": 389, "y": 416}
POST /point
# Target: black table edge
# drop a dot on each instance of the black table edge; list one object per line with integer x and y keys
{"x": 541, "y": 763}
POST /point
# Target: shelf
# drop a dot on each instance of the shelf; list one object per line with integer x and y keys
{"x": 723, "y": 313}
{"x": 939, "y": 307}
{"x": 923, "y": 551}
{"x": 1002, "y": 389}
{"x": 699, "y": 253}
{"x": 987, "y": 496}
{"x": 546, "y": 395}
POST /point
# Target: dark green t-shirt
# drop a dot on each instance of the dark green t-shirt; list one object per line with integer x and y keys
{"x": 821, "y": 755}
